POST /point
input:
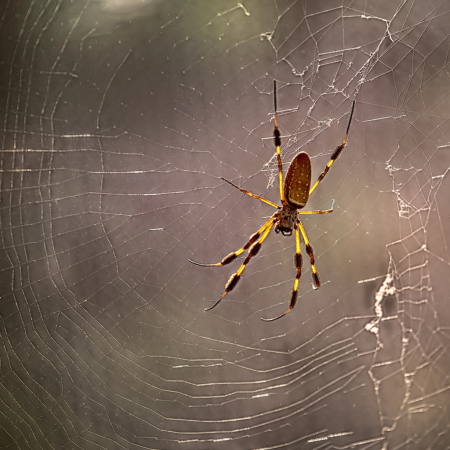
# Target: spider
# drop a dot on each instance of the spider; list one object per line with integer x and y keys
{"x": 294, "y": 196}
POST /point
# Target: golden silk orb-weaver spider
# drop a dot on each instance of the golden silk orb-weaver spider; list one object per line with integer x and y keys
{"x": 294, "y": 194}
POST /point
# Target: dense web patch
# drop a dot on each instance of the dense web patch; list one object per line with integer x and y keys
{"x": 119, "y": 121}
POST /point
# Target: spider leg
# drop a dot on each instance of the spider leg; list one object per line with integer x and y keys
{"x": 233, "y": 255}
{"x": 277, "y": 139}
{"x": 318, "y": 212}
{"x": 254, "y": 249}
{"x": 252, "y": 195}
{"x": 298, "y": 263}
{"x": 309, "y": 249}
{"x": 336, "y": 153}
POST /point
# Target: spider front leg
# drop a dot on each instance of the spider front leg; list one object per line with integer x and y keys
{"x": 298, "y": 264}
{"x": 335, "y": 154}
{"x": 254, "y": 249}
{"x": 277, "y": 140}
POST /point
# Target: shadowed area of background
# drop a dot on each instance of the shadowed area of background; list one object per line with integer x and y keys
{"x": 118, "y": 121}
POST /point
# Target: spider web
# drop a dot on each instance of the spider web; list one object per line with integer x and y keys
{"x": 119, "y": 120}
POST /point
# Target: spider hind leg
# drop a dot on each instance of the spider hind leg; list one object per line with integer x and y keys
{"x": 298, "y": 260}
{"x": 309, "y": 249}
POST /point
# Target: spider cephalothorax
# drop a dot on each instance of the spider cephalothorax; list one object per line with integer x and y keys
{"x": 294, "y": 193}
{"x": 286, "y": 220}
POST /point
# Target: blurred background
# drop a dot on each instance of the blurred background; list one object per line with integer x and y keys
{"x": 118, "y": 121}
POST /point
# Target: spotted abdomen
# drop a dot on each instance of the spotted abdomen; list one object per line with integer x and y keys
{"x": 298, "y": 181}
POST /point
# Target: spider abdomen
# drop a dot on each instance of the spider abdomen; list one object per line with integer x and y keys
{"x": 298, "y": 181}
